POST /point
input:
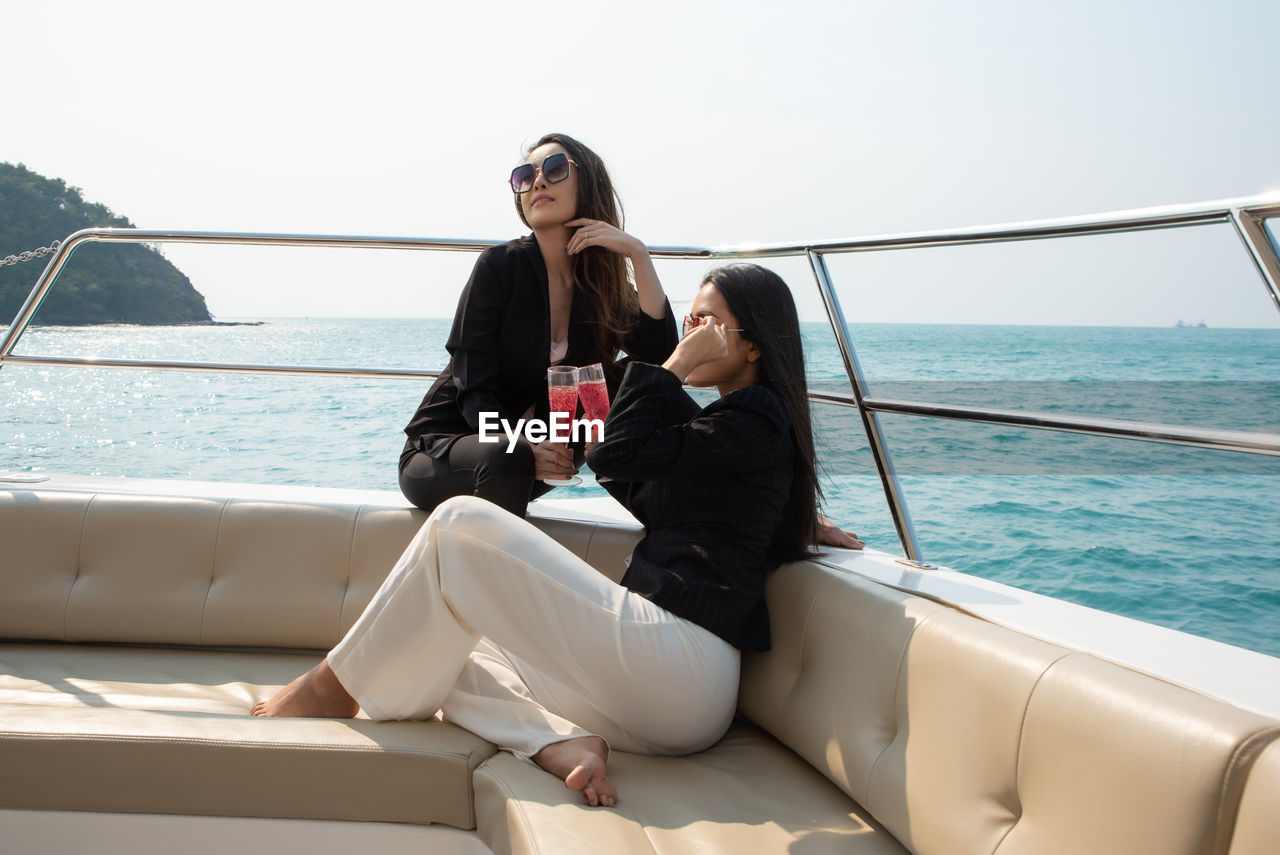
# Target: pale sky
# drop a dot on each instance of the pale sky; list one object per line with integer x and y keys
{"x": 721, "y": 122}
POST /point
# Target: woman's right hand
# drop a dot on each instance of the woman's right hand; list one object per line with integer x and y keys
{"x": 599, "y": 233}
{"x": 552, "y": 460}
{"x": 704, "y": 343}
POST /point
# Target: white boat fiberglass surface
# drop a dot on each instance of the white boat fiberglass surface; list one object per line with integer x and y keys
{"x": 1244, "y": 680}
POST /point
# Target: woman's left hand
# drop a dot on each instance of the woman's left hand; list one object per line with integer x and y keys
{"x": 600, "y": 233}
{"x": 829, "y": 534}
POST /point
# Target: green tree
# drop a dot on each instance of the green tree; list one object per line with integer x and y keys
{"x": 100, "y": 283}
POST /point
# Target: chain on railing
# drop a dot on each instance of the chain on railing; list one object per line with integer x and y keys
{"x": 30, "y": 254}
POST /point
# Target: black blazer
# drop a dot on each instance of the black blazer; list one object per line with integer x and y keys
{"x": 710, "y": 487}
{"x": 499, "y": 348}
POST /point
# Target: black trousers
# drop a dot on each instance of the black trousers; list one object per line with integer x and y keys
{"x": 472, "y": 468}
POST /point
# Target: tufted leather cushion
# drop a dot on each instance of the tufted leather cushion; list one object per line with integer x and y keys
{"x": 747, "y": 793}
{"x": 131, "y": 728}
{"x": 233, "y": 572}
{"x": 1257, "y": 828}
{"x": 168, "y": 731}
{"x": 961, "y": 736}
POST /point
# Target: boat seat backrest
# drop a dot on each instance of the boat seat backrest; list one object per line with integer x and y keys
{"x": 104, "y": 567}
{"x": 962, "y": 736}
{"x": 1258, "y": 822}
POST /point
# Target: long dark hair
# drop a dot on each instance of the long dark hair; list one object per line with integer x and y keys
{"x": 766, "y": 312}
{"x": 599, "y": 276}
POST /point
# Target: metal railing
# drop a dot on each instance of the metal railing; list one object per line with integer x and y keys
{"x": 1247, "y": 216}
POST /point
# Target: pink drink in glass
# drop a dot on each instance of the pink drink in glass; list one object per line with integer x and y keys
{"x": 564, "y": 399}
{"x": 595, "y": 399}
{"x": 593, "y": 391}
{"x": 562, "y": 393}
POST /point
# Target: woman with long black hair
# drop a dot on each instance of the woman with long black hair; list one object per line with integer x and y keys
{"x": 520, "y": 641}
{"x": 560, "y": 295}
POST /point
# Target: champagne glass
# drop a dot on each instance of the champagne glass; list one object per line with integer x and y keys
{"x": 595, "y": 398}
{"x": 593, "y": 392}
{"x": 562, "y": 391}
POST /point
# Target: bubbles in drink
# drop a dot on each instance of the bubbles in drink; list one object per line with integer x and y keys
{"x": 595, "y": 399}
{"x": 564, "y": 399}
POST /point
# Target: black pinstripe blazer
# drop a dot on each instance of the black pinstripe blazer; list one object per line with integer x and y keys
{"x": 710, "y": 486}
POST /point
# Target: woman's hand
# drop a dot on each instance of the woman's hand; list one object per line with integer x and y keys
{"x": 600, "y": 233}
{"x": 704, "y": 343}
{"x": 829, "y": 534}
{"x": 552, "y": 460}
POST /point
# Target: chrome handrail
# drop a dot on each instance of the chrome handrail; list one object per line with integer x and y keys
{"x": 870, "y": 422}
{"x": 1115, "y": 222}
{"x": 226, "y": 367}
{"x": 1249, "y": 226}
{"x": 1255, "y": 442}
{"x": 1246, "y": 215}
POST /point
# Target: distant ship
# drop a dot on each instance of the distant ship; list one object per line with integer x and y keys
{"x": 1182, "y": 325}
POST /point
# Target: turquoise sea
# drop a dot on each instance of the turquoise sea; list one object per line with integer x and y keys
{"x": 1180, "y": 538}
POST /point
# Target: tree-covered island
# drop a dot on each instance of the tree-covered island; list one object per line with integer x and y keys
{"x": 101, "y": 283}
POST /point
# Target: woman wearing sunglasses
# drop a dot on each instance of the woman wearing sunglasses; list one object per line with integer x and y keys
{"x": 559, "y": 295}
{"x": 520, "y": 641}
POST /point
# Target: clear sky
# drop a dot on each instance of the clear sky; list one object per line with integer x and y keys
{"x": 722, "y": 122}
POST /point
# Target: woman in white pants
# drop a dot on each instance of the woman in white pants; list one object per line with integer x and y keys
{"x": 515, "y": 638}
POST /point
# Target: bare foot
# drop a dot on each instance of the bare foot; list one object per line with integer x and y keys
{"x": 580, "y": 762}
{"x": 316, "y": 694}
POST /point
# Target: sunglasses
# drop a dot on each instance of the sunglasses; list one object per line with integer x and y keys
{"x": 691, "y": 321}
{"x": 555, "y": 168}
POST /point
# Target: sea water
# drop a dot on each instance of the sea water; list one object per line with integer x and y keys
{"x": 1171, "y": 535}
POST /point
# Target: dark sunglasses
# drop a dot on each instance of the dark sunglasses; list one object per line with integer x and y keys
{"x": 691, "y": 321}
{"x": 555, "y": 168}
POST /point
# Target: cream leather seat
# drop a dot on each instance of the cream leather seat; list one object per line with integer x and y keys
{"x": 142, "y": 627}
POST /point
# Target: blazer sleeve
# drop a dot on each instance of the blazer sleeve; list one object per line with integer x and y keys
{"x": 473, "y": 341}
{"x": 653, "y": 339}
{"x": 740, "y": 431}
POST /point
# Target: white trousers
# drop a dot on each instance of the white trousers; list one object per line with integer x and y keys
{"x": 523, "y": 643}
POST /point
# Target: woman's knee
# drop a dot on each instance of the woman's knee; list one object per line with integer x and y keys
{"x": 425, "y": 483}
{"x": 506, "y": 478}
{"x": 501, "y": 459}
{"x": 469, "y": 515}
{"x": 487, "y": 470}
